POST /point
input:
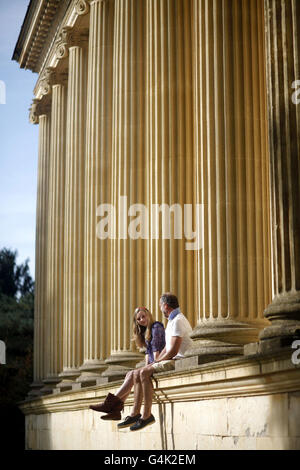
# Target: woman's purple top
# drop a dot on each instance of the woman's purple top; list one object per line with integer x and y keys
{"x": 157, "y": 342}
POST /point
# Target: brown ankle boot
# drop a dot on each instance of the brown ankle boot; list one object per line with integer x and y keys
{"x": 111, "y": 403}
{"x": 113, "y": 416}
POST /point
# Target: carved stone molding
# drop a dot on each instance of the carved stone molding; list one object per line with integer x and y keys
{"x": 47, "y": 80}
{"x": 33, "y": 115}
{"x": 82, "y": 7}
{"x": 62, "y": 43}
{"x": 40, "y": 29}
{"x": 69, "y": 37}
{"x": 37, "y": 109}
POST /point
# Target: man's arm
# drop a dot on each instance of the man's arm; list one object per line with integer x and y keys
{"x": 175, "y": 345}
{"x": 156, "y": 355}
{"x": 157, "y": 358}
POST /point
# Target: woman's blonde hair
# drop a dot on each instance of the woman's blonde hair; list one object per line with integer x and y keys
{"x": 141, "y": 334}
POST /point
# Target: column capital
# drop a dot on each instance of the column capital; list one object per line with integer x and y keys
{"x": 37, "y": 109}
{"x": 69, "y": 37}
{"x": 46, "y": 80}
{"x": 82, "y": 7}
{"x": 33, "y": 115}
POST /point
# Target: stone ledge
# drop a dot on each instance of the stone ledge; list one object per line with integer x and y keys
{"x": 241, "y": 376}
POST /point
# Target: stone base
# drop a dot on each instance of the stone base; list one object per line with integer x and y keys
{"x": 284, "y": 315}
{"x": 49, "y": 385}
{"x": 35, "y": 391}
{"x": 210, "y": 351}
{"x": 205, "y": 358}
{"x": 90, "y": 373}
{"x": 121, "y": 363}
{"x": 68, "y": 377}
{"x": 218, "y": 340}
{"x": 238, "y": 404}
{"x": 228, "y": 331}
{"x": 114, "y": 373}
{"x": 270, "y": 345}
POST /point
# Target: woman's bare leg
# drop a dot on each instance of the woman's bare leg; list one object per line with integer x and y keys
{"x": 138, "y": 394}
{"x": 126, "y": 387}
{"x": 147, "y": 388}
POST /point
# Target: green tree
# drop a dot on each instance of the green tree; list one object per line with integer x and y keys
{"x": 15, "y": 280}
{"x": 16, "y": 330}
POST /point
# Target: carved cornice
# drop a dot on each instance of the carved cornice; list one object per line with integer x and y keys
{"x": 34, "y": 31}
{"x": 37, "y": 26}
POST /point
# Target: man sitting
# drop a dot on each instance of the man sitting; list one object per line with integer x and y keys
{"x": 177, "y": 342}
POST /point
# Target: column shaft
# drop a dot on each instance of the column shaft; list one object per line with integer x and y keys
{"x": 233, "y": 272}
{"x": 40, "y": 308}
{"x": 170, "y": 151}
{"x": 74, "y": 216}
{"x": 128, "y": 276}
{"x": 55, "y": 239}
{"x": 97, "y": 187}
{"x": 282, "y": 51}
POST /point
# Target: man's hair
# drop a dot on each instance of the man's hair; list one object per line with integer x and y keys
{"x": 170, "y": 299}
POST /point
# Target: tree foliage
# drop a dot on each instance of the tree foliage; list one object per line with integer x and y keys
{"x": 15, "y": 280}
{"x": 16, "y": 330}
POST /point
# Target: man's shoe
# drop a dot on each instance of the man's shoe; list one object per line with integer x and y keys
{"x": 128, "y": 421}
{"x": 112, "y": 416}
{"x": 142, "y": 423}
{"x": 111, "y": 403}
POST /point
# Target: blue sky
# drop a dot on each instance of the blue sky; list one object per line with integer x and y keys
{"x": 18, "y": 143}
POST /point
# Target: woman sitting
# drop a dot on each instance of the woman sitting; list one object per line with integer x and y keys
{"x": 148, "y": 334}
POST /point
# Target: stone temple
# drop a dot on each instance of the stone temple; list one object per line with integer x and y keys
{"x": 172, "y": 104}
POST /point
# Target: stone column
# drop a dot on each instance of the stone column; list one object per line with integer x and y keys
{"x": 36, "y": 117}
{"x": 170, "y": 148}
{"x": 282, "y": 56}
{"x": 128, "y": 275}
{"x": 233, "y": 271}
{"x": 96, "y": 343}
{"x": 74, "y": 210}
{"x": 54, "y": 291}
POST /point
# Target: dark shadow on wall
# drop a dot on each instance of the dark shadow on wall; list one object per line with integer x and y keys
{"x": 162, "y": 411}
{"x": 12, "y": 427}
{"x": 15, "y": 382}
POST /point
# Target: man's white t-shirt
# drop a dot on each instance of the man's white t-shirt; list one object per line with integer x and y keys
{"x": 179, "y": 326}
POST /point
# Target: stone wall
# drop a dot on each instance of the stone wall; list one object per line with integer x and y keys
{"x": 245, "y": 403}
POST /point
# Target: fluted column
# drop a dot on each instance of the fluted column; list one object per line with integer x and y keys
{"x": 74, "y": 212}
{"x": 55, "y": 240}
{"x": 41, "y": 250}
{"x": 171, "y": 182}
{"x": 128, "y": 276}
{"x": 96, "y": 347}
{"x": 282, "y": 57}
{"x": 233, "y": 271}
